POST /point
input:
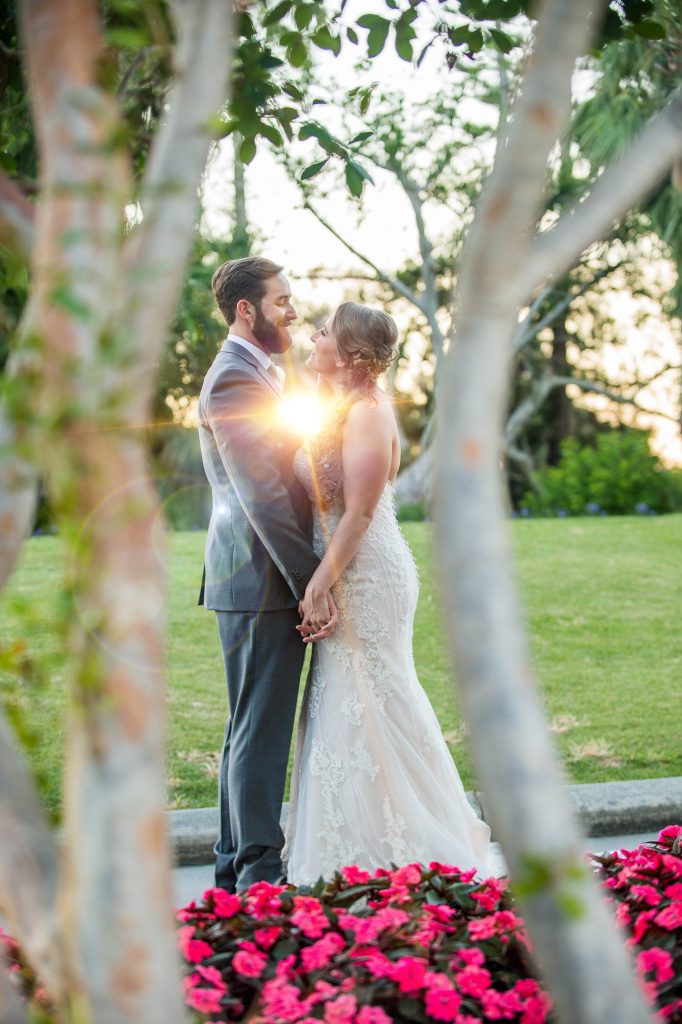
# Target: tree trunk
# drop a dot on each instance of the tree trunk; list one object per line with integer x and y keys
{"x": 102, "y": 307}
{"x": 579, "y": 951}
{"x": 560, "y": 408}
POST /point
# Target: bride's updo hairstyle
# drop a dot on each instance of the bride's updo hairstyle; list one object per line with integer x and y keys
{"x": 366, "y": 342}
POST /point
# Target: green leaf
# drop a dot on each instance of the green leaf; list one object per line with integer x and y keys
{"x": 361, "y": 137}
{"x": 297, "y": 54}
{"x": 303, "y": 15}
{"x": 403, "y": 43}
{"x": 365, "y": 101}
{"x": 354, "y": 180}
{"x": 247, "y": 151}
{"x": 269, "y": 132}
{"x": 326, "y": 41}
{"x": 277, "y": 12}
{"x": 475, "y": 41}
{"x": 458, "y": 36}
{"x": 292, "y": 90}
{"x": 370, "y": 21}
{"x": 376, "y": 39}
{"x": 312, "y": 169}
{"x": 502, "y": 41}
{"x": 126, "y": 36}
{"x": 352, "y": 36}
{"x": 650, "y": 30}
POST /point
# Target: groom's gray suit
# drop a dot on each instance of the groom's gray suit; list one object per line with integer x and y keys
{"x": 259, "y": 560}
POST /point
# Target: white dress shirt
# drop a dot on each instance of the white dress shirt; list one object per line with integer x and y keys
{"x": 262, "y": 357}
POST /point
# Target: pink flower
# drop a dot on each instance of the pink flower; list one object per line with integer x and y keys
{"x": 657, "y": 960}
{"x": 321, "y": 952}
{"x": 411, "y": 874}
{"x": 286, "y": 968}
{"x": 642, "y": 924}
{"x": 646, "y": 894}
{"x": 378, "y": 965}
{"x": 213, "y": 976}
{"x": 281, "y": 1001}
{"x": 489, "y": 893}
{"x": 390, "y": 917}
{"x": 674, "y": 891}
{"x": 205, "y": 1000}
{"x": 670, "y": 832}
{"x": 354, "y": 875}
{"x": 472, "y": 956}
{"x": 473, "y": 981}
{"x": 409, "y": 974}
{"x": 193, "y": 950}
{"x": 263, "y": 899}
{"x": 536, "y": 1009}
{"x": 500, "y": 1005}
{"x": 267, "y": 937}
{"x": 225, "y": 904}
{"x": 372, "y": 1015}
{"x": 249, "y": 964}
{"x": 341, "y": 1010}
{"x": 526, "y": 987}
{"x": 670, "y": 917}
{"x": 442, "y": 1001}
{"x": 623, "y": 915}
{"x": 481, "y": 928}
{"x": 309, "y": 917}
{"x": 440, "y": 912}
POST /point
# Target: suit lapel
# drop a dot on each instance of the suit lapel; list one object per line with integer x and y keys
{"x": 234, "y": 348}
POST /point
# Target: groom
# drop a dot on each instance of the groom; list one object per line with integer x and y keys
{"x": 259, "y": 559}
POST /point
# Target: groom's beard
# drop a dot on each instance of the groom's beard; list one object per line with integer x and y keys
{"x": 270, "y": 335}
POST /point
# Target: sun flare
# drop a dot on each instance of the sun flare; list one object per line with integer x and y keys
{"x": 303, "y": 413}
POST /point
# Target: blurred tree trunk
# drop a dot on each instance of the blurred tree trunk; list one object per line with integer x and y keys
{"x": 94, "y": 918}
{"x": 579, "y": 950}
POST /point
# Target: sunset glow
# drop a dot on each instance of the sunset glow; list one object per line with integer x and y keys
{"x": 303, "y": 413}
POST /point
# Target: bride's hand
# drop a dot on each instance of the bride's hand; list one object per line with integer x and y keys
{"x": 319, "y": 614}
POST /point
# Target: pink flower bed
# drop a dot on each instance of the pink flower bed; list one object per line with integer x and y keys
{"x": 411, "y": 944}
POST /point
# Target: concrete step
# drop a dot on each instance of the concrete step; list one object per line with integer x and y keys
{"x": 603, "y": 809}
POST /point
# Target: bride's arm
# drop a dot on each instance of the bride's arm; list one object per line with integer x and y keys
{"x": 366, "y": 462}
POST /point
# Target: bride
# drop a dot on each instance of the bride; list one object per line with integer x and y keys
{"x": 373, "y": 781}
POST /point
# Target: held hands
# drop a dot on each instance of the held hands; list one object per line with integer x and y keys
{"x": 319, "y": 615}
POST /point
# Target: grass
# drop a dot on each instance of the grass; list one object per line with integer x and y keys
{"x": 602, "y": 600}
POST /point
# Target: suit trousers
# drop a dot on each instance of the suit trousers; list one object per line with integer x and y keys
{"x": 263, "y": 656}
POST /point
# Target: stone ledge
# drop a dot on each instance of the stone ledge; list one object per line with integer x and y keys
{"x": 604, "y": 808}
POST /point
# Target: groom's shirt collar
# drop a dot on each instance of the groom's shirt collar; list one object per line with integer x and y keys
{"x": 256, "y": 352}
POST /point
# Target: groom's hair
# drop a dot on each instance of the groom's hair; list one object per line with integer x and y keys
{"x": 241, "y": 279}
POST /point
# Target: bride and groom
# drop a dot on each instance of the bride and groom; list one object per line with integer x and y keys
{"x": 303, "y": 547}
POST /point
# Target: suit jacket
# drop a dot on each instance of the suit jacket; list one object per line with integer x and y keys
{"x": 259, "y": 554}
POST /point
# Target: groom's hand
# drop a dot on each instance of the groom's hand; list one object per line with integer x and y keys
{"x": 309, "y": 633}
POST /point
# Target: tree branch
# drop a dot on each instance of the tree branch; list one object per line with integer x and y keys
{"x": 392, "y": 282}
{"x": 623, "y": 184}
{"x": 17, "y": 216}
{"x": 29, "y": 866}
{"x": 529, "y": 329}
{"x": 157, "y": 250}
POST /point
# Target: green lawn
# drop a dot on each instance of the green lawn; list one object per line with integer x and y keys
{"x": 603, "y": 599}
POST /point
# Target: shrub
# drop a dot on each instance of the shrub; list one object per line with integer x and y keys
{"x": 410, "y": 944}
{"x": 411, "y": 513}
{"x": 618, "y": 476}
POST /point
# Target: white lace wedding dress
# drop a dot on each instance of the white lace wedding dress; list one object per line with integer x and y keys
{"x": 373, "y": 781}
